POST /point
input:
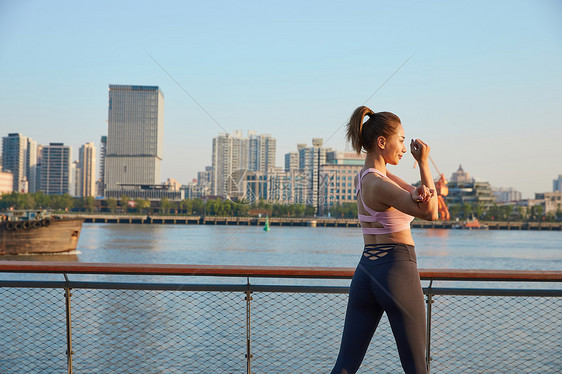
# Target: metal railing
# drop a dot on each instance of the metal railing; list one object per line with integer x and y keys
{"x": 106, "y": 325}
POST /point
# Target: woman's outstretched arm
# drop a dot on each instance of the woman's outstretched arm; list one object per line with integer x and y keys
{"x": 420, "y": 151}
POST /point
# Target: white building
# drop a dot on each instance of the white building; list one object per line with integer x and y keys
{"x": 55, "y": 169}
{"x": 262, "y": 150}
{"x": 506, "y": 195}
{"x": 86, "y": 173}
{"x": 230, "y": 158}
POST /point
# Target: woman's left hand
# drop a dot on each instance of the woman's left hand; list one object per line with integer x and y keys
{"x": 422, "y": 194}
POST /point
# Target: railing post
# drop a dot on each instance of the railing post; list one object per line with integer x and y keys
{"x": 69, "y": 352}
{"x": 248, "y": 328}
{"x": 429, "y": 301}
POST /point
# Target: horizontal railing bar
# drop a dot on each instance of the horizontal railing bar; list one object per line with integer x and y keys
{"x": 492, "y": 292}
{"x": 266, "y": 271}
{"x": 126, "y": 286}
{"x": 266, "y": 288}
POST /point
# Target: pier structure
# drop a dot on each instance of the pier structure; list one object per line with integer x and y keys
{"x": 298, "y": 221}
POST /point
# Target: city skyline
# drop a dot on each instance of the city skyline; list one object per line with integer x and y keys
{"x": 302, "y": 154}
{"x": 479, "y": 82}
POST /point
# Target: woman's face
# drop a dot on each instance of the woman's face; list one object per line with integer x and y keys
{"x": 395, "y": 148}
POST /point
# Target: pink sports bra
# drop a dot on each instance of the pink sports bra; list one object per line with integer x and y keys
{"x": 392, "y": 220}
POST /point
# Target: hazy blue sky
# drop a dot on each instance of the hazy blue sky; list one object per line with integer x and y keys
{"x": 483, "y": 85}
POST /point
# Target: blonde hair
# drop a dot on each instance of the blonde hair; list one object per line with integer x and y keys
{"x": 363, "y": 135}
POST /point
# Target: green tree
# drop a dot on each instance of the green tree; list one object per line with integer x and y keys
{"x": 198, "y": 206}
{"x": 89, "y": 204}
{"x": 125, "y": 203}
{"x": 142, "y": 205}
{"x": 111, "y": 204}
{"x": 186, "y": 206}
{"x": 466, "y": 210}
{"x": 309, "y": 211}
{"x": 165, "y": 205}
{"x": 454, "y": 211}
{"x": 41, "y": 200}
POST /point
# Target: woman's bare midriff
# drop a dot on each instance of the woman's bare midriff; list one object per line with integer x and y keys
{"x": 399, "y": 237}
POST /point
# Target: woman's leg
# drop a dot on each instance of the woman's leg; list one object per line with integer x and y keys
{"x": 404, "y": 306}
{"x": 361, "y": 320}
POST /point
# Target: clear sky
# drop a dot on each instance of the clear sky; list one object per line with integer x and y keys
{"x": 482, "y": 83}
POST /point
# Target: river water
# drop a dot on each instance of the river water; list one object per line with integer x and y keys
{"x": 306, "y": 246}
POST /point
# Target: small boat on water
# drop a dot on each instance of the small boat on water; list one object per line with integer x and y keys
{"x": 471, "y": 224}
{"x": 37, "y": 231}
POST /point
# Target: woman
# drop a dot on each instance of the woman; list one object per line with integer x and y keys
{"x": 386, "y": 279}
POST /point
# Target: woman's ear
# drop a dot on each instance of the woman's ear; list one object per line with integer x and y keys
{"x": 381, "y": 142}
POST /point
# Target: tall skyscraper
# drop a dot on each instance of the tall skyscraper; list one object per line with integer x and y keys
{"x": 31, "y": 166}
{"x": 86, "y": 182}
{"x": 262, "y": 150}
{"x": 134, "y": 138}
{"x": 557, "y": 184}
{"x": 230, "y": 157}
{"x": 103, "y": 149}
{"x": 19, "y": 157}
{"x": 291, "y": 161}
{"x": 55, "y": 169}
{"x": 310, "y": 161}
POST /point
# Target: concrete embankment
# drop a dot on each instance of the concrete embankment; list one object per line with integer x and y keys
{"x": 288, "y": 221}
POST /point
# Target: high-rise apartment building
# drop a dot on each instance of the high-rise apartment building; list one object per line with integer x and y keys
{"x": 134, "y": 139}
{"x": 291, "y": 161}
{"x": 86, "y": 176}
{"x": 310, "y": 161}
{"x": 55, "y": 169}
{"x": 230, "y": 158}
{"x": 19, "y": 157}
{"x": 103, "y": 148}
{"x": 31, "y": 166}
{"x": 262, "y": 150}
{"x": 557, "y": 184}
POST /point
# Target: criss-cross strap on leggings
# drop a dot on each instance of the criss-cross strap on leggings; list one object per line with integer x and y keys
{"x": 386, "y": 280}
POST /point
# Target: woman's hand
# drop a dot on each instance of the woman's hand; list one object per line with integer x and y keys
{"x": 422, "y": 194}
{"x": 419, "y": 150}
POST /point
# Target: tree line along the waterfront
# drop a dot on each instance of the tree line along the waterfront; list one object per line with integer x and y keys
{"x": 225, "y": 207}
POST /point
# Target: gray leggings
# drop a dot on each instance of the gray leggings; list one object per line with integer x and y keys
{"x": 386, "y": 280}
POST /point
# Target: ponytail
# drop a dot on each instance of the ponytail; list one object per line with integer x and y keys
{"x": 362, "y": 135}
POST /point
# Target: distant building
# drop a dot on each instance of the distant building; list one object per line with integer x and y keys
{"x": 55, "y": 169}
{"x": 506, "y": 195}
{"x": 550, "y": 202}
{"x": 134, "y": 142}
{"x": 75, "y": 178}
{"x": 19, "y": 157}
{"x": 460, "y": 176}
{"x": 344, "y": 158}
{"x": 557, "y": 184}
{"x": 262, "y": 151}
{"x": 230, "y": 156}
{"x": 310, "y": 161}
{"x": 291, "y": 161}
{"x": 86, "y": 175}
{"x": 173, "y": 185}
{"x": 101, "y": 180}
{"x": 6, "y": 183}
{"x": 32, "y": 171}
{"x": 466, "y": 190}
